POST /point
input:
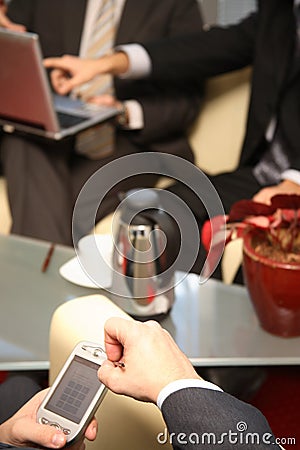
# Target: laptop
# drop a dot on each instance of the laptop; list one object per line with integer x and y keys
{"x": 26, "y": 100}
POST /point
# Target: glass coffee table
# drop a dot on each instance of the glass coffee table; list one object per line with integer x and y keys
{"x": 29, "y": 297}
{"x": 213, "y": 323}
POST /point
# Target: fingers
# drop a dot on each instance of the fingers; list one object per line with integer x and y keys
{"x": 264, "y": 196}
{"x": 151, "y": 357}
{"x": 61, "y": 81}
{"x": 62, "y": 76}
{"x": 132, "y": 342}
{"x": 72, "y": 71}
{"x": 90, "y": 434}
{"x": 6, "y": 23}
{"x": 63, "y": 63}
{"x": 119, "y": 332}
{"x": 103, "y": 100}
{"x": 22, "y": 429}
{"x": 28, "y": 431}
{"x": 92, "y": 430}
{"x": 109, "y": 375}
{"x": 15, "y": 27}
{"x": 116, "y": 331}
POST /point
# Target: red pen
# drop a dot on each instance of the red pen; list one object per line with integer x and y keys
{"x": 48, "y": 258}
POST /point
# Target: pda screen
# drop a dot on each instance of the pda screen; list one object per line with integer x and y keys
{"x": 75, "y": 390}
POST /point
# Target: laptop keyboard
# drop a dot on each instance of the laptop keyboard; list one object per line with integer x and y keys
{"x": 67, "y": 120}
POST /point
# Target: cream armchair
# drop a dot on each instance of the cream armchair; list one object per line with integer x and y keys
{"x": 124, "y": 423}
{"x": 5, "y": 217}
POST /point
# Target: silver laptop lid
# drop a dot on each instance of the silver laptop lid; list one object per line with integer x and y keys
{"x": 26, "y": 99}
{"x": 24, "y": 88}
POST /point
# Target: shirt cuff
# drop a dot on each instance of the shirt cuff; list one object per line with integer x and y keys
{"x": 135, "y": 115}
{"x": 291, "y": 175}
{"x": 139, "y": 61}
{"x": 184, "y": 384}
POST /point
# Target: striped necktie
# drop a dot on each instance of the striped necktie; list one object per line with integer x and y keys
{"x": 98, "y": 142}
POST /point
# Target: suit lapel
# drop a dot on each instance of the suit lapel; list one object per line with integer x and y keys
{"x": 285, "y": 41}
{"x": 295, "y": 64}
{"x": 276, "y": 41}
{"x": 273, "y": 56}
{"x": 73, "y": 20}
{"x": 135, "y": 13}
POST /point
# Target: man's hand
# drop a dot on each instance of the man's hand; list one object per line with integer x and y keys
{"x": 72, "y": 71}
{"x": 6, "y": 23}
{"x": 105, "y": 100}
{"x": 151, "y": 358}
{"x": 285, "y": 187}
{"x": 110, "y": 101}
{"x": 22, "y": 430}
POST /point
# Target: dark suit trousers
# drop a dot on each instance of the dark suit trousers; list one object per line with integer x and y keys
{"x": 15, "y": 392}
{"x": 51, "y": 175}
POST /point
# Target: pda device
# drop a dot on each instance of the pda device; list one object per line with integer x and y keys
{"x": 76, "y": 393}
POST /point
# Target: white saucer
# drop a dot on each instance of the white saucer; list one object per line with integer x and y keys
{"x": 91, "y": 267}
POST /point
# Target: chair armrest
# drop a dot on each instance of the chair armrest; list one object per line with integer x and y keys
{"x": 5, "y": 222}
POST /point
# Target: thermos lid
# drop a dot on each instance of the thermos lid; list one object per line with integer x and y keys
{"x": 137, "y": 201}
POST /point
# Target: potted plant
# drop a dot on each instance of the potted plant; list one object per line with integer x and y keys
{"x": 271, "y": 258}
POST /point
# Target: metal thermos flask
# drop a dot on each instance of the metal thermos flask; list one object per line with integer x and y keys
{"x": 146, "y": 240}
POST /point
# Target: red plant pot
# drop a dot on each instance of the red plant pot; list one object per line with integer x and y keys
{"x": 274, "y": 289}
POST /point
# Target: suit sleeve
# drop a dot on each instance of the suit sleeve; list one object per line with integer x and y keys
{"x": 204, "y": 54}
{"x": 207, "y": 419}
{"x": 168, "y": 112}
{"x": 169, "y": 109}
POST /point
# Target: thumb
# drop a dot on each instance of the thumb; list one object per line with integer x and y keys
{"x": 13, "y": 26}
{"x": 43, "y": 435}
{"x": 109, "y": 375}
{"x": 65, "y": 85}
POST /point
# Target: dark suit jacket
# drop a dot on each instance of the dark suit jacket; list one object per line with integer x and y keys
{"x": 214, "y": 420}
{"x": 167, "y": 110}
{"x": 265, "y": 40}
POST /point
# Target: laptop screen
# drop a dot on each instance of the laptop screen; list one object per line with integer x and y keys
{"x": 24, "y": 88}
